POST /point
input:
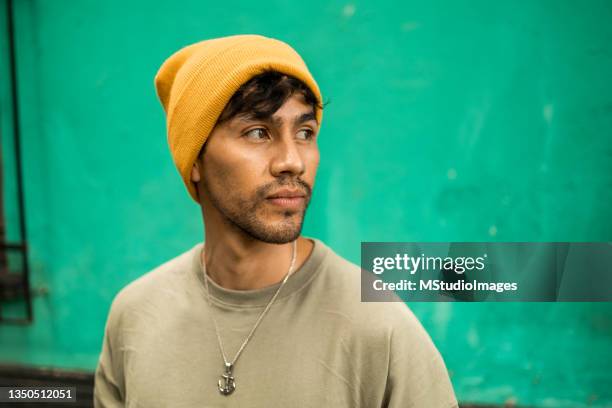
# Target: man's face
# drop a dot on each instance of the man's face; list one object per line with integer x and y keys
{"x": 250, "y": 168}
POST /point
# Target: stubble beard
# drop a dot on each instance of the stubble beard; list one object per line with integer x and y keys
{"x": 249, "y": 215}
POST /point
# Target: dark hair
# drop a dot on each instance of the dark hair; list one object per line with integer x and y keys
{"x": 264, "y": 94}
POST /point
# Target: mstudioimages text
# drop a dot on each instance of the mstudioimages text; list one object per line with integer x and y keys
{"x": 412, "y": 264}
{"x": 440, "y": 285}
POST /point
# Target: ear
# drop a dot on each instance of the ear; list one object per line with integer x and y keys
{"x": 195, "y": 171}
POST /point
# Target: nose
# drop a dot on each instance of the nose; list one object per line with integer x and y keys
{"x": 287, "y": 158}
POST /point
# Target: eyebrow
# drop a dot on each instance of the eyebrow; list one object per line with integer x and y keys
{"x": 305, "y": 117}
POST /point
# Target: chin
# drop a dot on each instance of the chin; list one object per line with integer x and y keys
{"x": 278, "y": 237}
{"x": 278, "y": 233}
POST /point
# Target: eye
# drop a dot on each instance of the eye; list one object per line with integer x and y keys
{"x": 257, "y": 134}
{"x": 305, "y": 134}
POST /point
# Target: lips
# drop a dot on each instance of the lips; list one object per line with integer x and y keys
{"x": 288, "y": 199}
{"x": 287, "y": 194}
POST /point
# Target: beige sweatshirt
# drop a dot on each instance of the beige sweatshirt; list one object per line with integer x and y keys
{"x": 318, "y": 346}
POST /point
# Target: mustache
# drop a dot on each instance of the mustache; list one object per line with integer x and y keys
{"x": 296, "y": 184}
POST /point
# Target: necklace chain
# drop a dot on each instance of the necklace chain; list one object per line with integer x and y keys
{"x": 229, "y": 364}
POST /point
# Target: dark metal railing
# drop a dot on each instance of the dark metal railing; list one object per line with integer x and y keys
{"x": 15, "y": 286}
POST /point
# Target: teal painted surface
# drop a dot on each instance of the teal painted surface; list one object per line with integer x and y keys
{"x": 448, "y": 121}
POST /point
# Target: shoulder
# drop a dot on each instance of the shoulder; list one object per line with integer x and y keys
{"x": 343, "y": 280}
{"x": 417, "y": 374}
{"x": 154, "y": 287}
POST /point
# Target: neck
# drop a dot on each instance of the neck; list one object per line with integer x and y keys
{"x": 241, "y": 263}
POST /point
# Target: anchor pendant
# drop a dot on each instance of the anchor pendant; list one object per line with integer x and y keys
{"x": 226, "y": 382}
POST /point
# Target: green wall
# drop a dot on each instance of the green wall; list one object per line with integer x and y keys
{"x": 447, "y": 121}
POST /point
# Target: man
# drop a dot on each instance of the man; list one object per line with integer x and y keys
{"x": 257, "y": 315}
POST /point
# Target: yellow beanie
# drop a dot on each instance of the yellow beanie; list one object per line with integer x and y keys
{"x": 196, "y": 83}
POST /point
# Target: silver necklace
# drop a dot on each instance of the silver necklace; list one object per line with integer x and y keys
{"x": 227, "y": 382}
